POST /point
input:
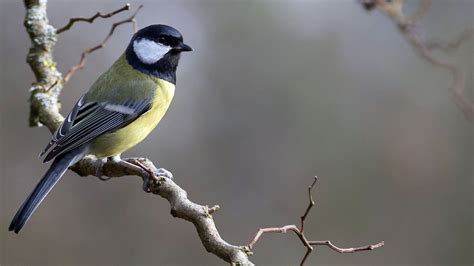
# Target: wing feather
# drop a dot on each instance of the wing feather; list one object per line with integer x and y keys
{"x": 90, "y": 120}
{"x": 67, "y": 123}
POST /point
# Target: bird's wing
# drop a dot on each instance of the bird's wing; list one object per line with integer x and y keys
{"x": 64, "y": 128}
{"x": 88, "y": 120}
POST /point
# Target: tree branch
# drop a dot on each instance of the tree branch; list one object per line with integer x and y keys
{"x": 91, "y": 19}
{"x": 181, "y": 206}
{"x": 409, "y": 28}
{"x": 45, "y": 110}
{"x": 45, "y": 107}
{"x": 345, "y": 250}
{"x": 310, "y": 204}
{"x": 84, "y": 54}
{"x": 300, "y": 233}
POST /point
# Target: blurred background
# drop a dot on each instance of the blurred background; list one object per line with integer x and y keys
{"x": 274, "y": 93}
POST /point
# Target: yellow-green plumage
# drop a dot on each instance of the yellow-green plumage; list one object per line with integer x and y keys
{"x": 134, "y": 85}
{"x": 122, "y": 107}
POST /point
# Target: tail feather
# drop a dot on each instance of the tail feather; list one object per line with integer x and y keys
{"x": 52, "y": 176}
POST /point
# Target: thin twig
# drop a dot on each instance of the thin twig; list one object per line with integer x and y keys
{"x": 300, "y": 233}
{"x": 91, "y": 19}
{"x": 84, "y": 54}
{"x": 345, "y": 250}
{"x": 310, "y": 204}
{"x": 280, "y": 230}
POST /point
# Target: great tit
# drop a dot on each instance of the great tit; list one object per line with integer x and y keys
{"x": 120, "y": 109}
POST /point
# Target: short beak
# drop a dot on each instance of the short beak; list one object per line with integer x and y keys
{"x": 183, "y": 47}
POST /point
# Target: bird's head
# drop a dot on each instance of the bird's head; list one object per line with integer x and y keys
{"x": 156, "y": 50}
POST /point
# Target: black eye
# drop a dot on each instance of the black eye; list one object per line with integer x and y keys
{"x": 168, "y": 40}
{"x": 162, "y": 39}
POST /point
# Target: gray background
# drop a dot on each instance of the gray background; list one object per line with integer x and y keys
{"x": 274, "y": 93}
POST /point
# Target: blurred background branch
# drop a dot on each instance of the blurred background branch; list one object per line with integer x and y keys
{"x": 409, "y": 27}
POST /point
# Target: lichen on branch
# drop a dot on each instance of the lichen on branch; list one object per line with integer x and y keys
{"x": 44, "y": 107}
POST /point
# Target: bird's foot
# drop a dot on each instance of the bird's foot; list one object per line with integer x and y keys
{"x": 148, "y": 166}
{"x": 133, "y": 165}
{"x": 164, "y": 173}
{"x": 155, "y": 176}
{"x": 98, "y": 169}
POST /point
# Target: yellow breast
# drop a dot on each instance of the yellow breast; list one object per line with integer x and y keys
{"x": 117, "y": 142}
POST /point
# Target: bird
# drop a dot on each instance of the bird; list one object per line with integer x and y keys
{"x": 119, "y": 110}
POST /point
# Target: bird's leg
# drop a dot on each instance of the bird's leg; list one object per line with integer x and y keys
{"x": 149, "y": 181}
{"x": 148, "y": 166}
{"x": 117, "y": 160}
{"x": 152, "y": 181}
{"x": 136, "y": 165}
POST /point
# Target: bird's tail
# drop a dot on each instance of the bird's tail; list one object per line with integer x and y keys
{"x": 52, "y": 176}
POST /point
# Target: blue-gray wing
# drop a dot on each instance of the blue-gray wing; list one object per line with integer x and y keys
{"x": 64, "y": 128}
{"x": 88, "y": 120}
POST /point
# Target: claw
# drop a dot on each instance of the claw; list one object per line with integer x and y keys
{"x": 98, "y": 170}
{"x": 164, "y": 173}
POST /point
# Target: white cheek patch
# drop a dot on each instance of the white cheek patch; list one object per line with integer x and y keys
{"x": 149, "y": 52}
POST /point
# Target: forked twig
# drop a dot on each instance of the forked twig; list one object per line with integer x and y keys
{"x": 84, "y": 54}
{"x": 300, "y": 233}
{"x": 310, "y": 204}
{"x": 91, "y": 19}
